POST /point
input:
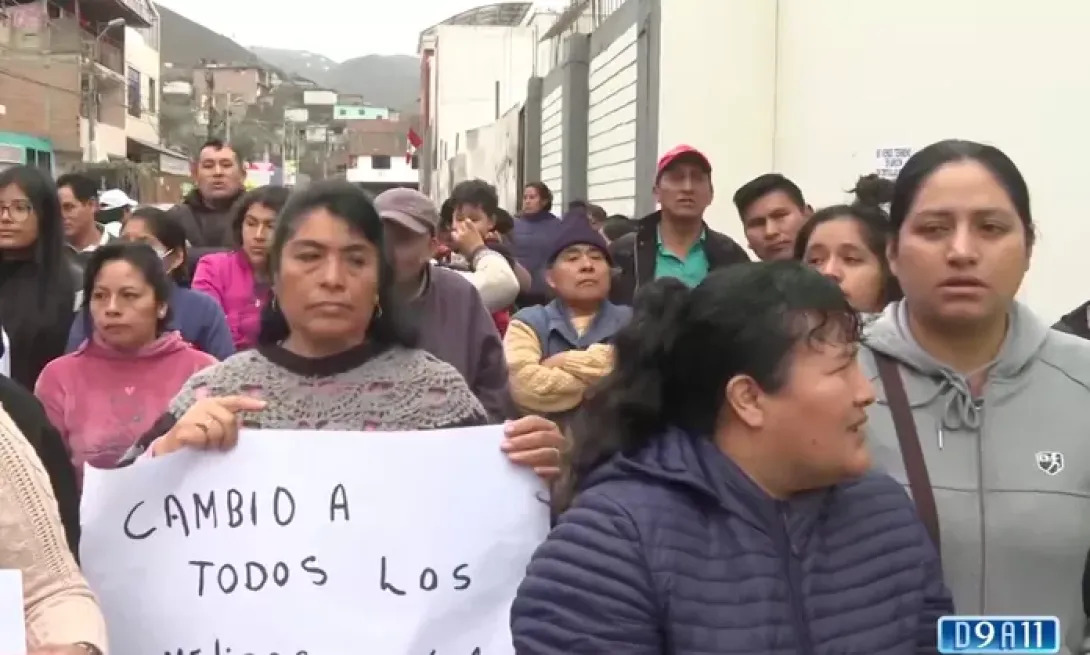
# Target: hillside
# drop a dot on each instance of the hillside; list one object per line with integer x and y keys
{"x": 184, "y": 43}
{"x": 387, "y": 81}
{"x": 314, "y": 67}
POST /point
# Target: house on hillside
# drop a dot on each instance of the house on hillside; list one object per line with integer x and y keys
{"x": 82, "y": 76}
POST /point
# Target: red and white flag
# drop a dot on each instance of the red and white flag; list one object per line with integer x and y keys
{"x": 414, "y": 142}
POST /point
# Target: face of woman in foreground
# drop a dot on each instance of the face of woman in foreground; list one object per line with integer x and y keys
{"x": 327, "y": 281}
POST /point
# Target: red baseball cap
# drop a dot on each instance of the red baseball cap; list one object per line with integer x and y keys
{"x": 682, "y": 151}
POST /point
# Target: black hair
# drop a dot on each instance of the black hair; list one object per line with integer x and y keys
{"x": 446, "y": 215}
{"x": 168, "y": 232}
{"x": 504, "y": 223}
{"x": 873, "y": 190}
{"x": 921, "y": 165}
{"x": 83, "y": 187}
{"x": 761, "y": 186}
{"x": 272, "y": 196}
{"x": 876, "y": 229}
{"x": 681, "y": 348}
{"x": 617, "y": 226}
{"x": 544, "y": 193}
{"x": 219, "y": 144}
{"x": 577, "y": 205}
{"x": 477, "y": 193}
{"x": 349, "y": 203}
{"x": 597, "y": 214}
{"x": 37, "y": 298}
{"x": 140, "y": 256}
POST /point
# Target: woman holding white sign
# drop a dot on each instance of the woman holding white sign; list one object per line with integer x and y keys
{"x": 61, "y": 614}
{"x": 332, "y": 352}
{"x": 724, "y": 501}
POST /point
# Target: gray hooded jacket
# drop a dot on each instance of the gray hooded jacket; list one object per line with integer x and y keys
{"x": 1010, "y": 470}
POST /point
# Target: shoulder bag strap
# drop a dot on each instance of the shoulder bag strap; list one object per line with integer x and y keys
{"x": 911, "y": 452}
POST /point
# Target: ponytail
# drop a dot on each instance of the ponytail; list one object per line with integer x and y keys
{"x": 632, "y": 404}
{"x": 274, "y": 327}
{"x": 873, "y": 192}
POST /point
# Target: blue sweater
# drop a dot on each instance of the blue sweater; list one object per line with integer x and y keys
{"x": 197, "y": 316}
{"x": 675, "y": 551}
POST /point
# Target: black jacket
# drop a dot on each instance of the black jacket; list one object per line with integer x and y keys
{"x": 29, "y": 416}
{"x": 1076, "y": 322}
{"x": 634, "y": 257}
{"x": 204, "y": 227}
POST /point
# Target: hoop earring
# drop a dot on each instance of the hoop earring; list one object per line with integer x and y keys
{"x": 378, "y": 307}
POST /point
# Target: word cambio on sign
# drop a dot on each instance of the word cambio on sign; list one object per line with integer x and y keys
{"x": 267, "y": 556}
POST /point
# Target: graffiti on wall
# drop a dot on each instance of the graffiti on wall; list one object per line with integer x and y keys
{"x": 490, "y": 153}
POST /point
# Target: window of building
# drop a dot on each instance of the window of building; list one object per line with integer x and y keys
{"x": 152, "y": 96}
{"x": 380, "y": 162}
{"x": 134, "y": 92}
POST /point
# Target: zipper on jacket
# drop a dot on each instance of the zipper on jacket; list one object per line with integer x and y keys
{"x": 791, "y": 558}
{"x": 980, "y": 507}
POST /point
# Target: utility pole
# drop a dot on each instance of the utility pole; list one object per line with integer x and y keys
{"x": 227, "y": 117}
{"x": 210, "y": 97}
{"x": 92, "y": 100}
{"x": 325, "y": 155}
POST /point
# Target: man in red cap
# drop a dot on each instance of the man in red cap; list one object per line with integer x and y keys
{"x": 674, "y": 241}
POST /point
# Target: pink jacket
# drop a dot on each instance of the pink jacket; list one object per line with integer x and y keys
{"x": 229, "y": 279}
{"x": 102, "y": 400}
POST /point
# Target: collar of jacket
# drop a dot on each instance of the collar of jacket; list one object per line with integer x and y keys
{"x": 695, "y": 465}
{"x": 717, "y": 247}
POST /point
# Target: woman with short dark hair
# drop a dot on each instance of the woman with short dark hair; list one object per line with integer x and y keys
{"x": 198, "y": 318}
{"x": 720, "y": 497}
{"x": 106, "y": 394}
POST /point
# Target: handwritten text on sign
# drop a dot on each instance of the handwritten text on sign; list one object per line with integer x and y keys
{"x": 314, "y": 543}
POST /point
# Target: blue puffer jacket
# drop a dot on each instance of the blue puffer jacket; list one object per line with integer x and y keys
{"x": 675, "y": 551}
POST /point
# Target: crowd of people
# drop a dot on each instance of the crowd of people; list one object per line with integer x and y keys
{"x": 728, "y": 443}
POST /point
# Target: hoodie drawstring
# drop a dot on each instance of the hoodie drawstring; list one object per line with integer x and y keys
{"x": 961, "y": 410}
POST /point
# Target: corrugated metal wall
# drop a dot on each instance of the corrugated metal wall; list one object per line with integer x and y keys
{"x": 552, "y": 138}
{"x": 611, "y": 126}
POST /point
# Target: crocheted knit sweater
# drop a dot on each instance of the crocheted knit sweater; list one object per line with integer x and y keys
{"x": 60, "y": 608}
{"x": 397, "y": 389}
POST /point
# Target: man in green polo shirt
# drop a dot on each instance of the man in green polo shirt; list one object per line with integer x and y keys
{"x": 674, "y": 241}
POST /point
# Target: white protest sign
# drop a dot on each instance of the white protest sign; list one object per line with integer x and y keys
{"x": 315, "y": 543}
{"x": 12, "y": 613}
{"x": 889, "y": 161}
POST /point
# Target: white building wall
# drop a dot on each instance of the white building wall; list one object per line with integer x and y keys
{"x": 611, "y": 127}
{"x": 717, "y": 80}
{"x": 399, "y": 172}
{"x": 469, "y": 61}
{"x": 909, "y": 74}
{"x": 110, "y": 141}
{"x": 141, "y": 56}
{"x": 812, "y": 89}
{"x": 552, "y": 145}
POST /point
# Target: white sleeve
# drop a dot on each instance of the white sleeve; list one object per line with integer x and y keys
{"x": 494, "y": 279}
{"x": 5, "y": 359}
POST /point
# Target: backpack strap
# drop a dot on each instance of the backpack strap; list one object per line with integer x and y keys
{"x": 911, "y": 452}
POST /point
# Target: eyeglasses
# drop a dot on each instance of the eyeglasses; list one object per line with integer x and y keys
{"x": 18, "y": 210}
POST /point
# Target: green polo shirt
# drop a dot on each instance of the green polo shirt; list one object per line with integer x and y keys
{"x": 691, "y": 270}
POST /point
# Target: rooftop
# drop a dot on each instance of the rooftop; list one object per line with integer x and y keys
{"x": 501, "y": 14}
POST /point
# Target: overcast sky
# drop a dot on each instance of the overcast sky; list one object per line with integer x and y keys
{"x": 339, "y": 29}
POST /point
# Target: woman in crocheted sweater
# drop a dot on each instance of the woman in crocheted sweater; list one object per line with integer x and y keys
{"x": 332, "y": 354}
{"x": 62, "y": 616}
